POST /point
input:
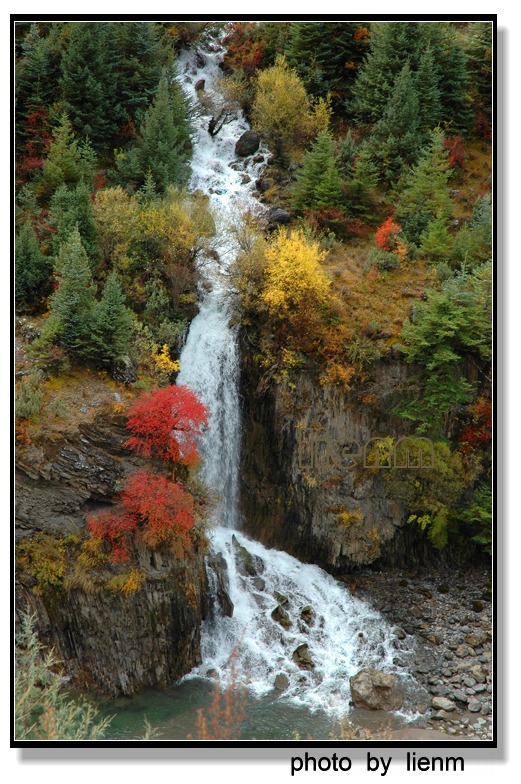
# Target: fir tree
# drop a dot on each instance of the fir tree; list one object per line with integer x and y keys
{"x": 435, "y": 240}
{"x": 33, "y": 271}
{"x": 72, "y": 207}
{"x": 391, "y": 45}
{"x": 450, "y": 58}
{"x": 68, "y": 161}
{"x": 326, "y": 56}
{"x": 361, "y": 187}
{"x": 426, "y": 194}
{"x": 318, "y": 182}
{"x": 479, "y": 66}
{"x": 395, "y": 139}
{"x": 88, "y": 83}
{"x": 34, "y": 89}
{"x": 73, "y": 305}
{"x": 427, "y": 81}
{"x": 164, "y": 145}
{"x": 112, "y": 325}
{"x": 138, "y": 58}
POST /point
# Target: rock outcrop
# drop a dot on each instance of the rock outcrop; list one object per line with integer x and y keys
{"x": 117, "y": 643}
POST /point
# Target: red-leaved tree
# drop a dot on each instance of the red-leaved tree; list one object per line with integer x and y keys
{"x": 152, "y": 509}
{"x": 166, "y": 423}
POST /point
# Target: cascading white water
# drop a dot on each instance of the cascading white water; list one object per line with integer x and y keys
{"x": 342, "y": 633}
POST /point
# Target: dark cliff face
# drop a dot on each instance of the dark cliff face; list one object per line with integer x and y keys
{"x": 303, "y": 487}
{"x": 120, "y": 643}
{"x": 117, "y": 643}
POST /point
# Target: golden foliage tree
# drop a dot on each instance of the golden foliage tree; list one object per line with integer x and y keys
{"x": 283, "y": 111}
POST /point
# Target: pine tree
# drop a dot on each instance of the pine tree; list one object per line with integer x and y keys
{"x": 73, "y": 305}
{"x": 426, "y": 193}
{"x": 318, "y": 182}
{"x": 72, "y": 207}
{"x": 164, "y": 145}
{"x": 435, "y": 240}
{"x": 395, "y": 138}
{"x": 112, "y": 325}
{"x": 68, "y": 161}
{"x": 33, "y": 271}
{"x": 88, "y": 83}
{"x": 427, "y": 81}
{"x": 391, "y": 44}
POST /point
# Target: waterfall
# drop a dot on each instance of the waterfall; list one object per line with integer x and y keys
{"x": 289, "y": 619}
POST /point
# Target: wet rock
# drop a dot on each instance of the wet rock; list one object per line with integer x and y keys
{"x": 247, "y": 144}
{"x": 247, "y": 564}
{"x": 474, "y": 706}
{"x": 376, "y": 690}
{"x": 460, "y": 695}
{"x": 442, "y": 703}
{"x": 258, "y": 159}
{"x": 220, "y": 569}
{"x": 307, "y": 614}
{"x": 280, "y": 598}
{"x": 258, "y": 583}
{"x": 264, "y": 184}
{"x": 281, "y": 682}
{"x": 200, "y": 59}
{"x": 477, "y": 605}
{"x": 245, "y": 179}
{"x": 302, "y": 658}
{"x": 199, "y": 85}
{"x": 212, "y": 673}
{"x": 280, "y": 616}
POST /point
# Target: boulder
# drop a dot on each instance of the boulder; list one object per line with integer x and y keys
{"x": 376, "y": 690}
{"x": 302, "y": 658}
{"x": 124, "y": 371}
{"x": 247, "y": 564}
{"x": 200, "y": 85}
{"x": 247, "y": 144}
{"x": 281, "y": 682}
{"x": 307, "y": 614}
{"x": 281, "y": 617}
{"x": 279, "y": 216}
{"x": 442, "y": 703}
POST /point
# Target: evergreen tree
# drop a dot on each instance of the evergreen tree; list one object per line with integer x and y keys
{"x": 479, "y": 66}
{"x": 450, "y": 58}
{"x": 361, "y": 187}
{"x": 112, "y": 326}
{"x": 68, "y": 161}
{"x": 391, "y": 44}
{"x": 88, "y": 83}
{"x": 72, "y": 207}
{"x": 347, "y": 154}
{"x": 395, "y": 138}
{"x": 426, "y": 194}
{"x": 138, "y": 58}
{"x": 427, "y": 81}
{"x": 164, "y": 145}
{"x": 318, "y": 182}
{"x": 73, "y": 305}
{"x": 435, "y": 240}
{"x": 33, "y": 271}
{"x": 34, "y": 89}
{"x": 326, "y": 56}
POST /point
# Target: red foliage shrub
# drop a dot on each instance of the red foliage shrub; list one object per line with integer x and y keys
{"x": 244, "y": 50}
{"x": 479, "y": 430}
{"x": 153, "y": 509}
{"x": 162, "y": 509}
{"x": 483, "y": 127}
{"x": 165, "y": 423}
{"x": 386, "y": 234}
{"x": 454, "y": 145}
